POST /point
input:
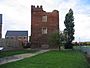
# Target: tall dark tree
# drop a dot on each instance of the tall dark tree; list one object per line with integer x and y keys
{"x": 69, "y": 29}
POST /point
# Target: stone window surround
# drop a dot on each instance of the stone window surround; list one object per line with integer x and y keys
{"x": 44, "y": 30}
{"x": 44, "y": 18}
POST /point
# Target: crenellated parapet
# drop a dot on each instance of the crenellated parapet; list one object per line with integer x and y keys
{"x": 38, "y": 8}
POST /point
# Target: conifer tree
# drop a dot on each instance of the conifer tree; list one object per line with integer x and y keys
{"x": 69, "y": 29}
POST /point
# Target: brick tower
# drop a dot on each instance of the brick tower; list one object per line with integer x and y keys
{"x": 42, "y": 25}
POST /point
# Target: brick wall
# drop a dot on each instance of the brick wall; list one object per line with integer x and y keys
{"x": 39, "y": 40}
{"x": 0, "y": 30}
{"x": 10, "y": 44}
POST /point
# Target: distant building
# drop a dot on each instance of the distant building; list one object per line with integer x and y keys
{"x": 42, "y": 25}
{"x": 0, "y": 25}
{"x": 22, "y": 36}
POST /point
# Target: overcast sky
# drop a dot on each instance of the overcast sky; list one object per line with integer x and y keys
{"x": 17, "y": 15}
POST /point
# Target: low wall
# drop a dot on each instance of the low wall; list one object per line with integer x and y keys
{"x": 10, "y": 44}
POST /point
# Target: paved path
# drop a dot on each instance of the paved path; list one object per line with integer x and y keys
{"x": 86, "y": 49}
{"x": 19, "y": 57}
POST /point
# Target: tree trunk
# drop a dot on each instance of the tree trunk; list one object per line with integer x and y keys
{"x": 59, "y": 48}
{"x": 68, "y": 46}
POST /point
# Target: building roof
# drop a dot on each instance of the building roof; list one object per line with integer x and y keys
{"x": 16, "y": 33}
{"x": 0, "y": 18}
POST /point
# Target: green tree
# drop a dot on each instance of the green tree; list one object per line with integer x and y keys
{"x": 56, "y": 39}
{"x": 69, "y": 29}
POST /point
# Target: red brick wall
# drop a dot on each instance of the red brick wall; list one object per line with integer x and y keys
{"x": 0, "y": 30}
{"x": 37, "y": 38}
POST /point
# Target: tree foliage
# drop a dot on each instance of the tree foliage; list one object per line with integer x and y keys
{"x": 56, "y": 39}
{"x": 69, "y": 29}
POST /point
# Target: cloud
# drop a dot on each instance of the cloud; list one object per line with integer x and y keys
{"x": 17, "y": 14}
{"x": 81, "y": 15}
{"x": 82, "y": 18}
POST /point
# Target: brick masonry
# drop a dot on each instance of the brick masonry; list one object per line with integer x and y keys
{"x": 0, "y": 26}
{"x": 39, "y": 40}
{"x": 0, "y": 31}
{"x": 10, "y": 44}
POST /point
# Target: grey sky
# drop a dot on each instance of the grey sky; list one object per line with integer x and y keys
{"x": 17, "y": 14}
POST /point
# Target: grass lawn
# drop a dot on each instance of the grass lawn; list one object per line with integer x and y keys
{"x": 51, "y": 59}
{"x": 15, "y": 52}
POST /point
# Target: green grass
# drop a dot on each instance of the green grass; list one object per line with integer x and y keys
{"x": 15, "y": 52}
{"x": 52, "y": 59}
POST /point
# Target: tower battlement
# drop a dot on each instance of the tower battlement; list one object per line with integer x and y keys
{"x": 38, "y": 8}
